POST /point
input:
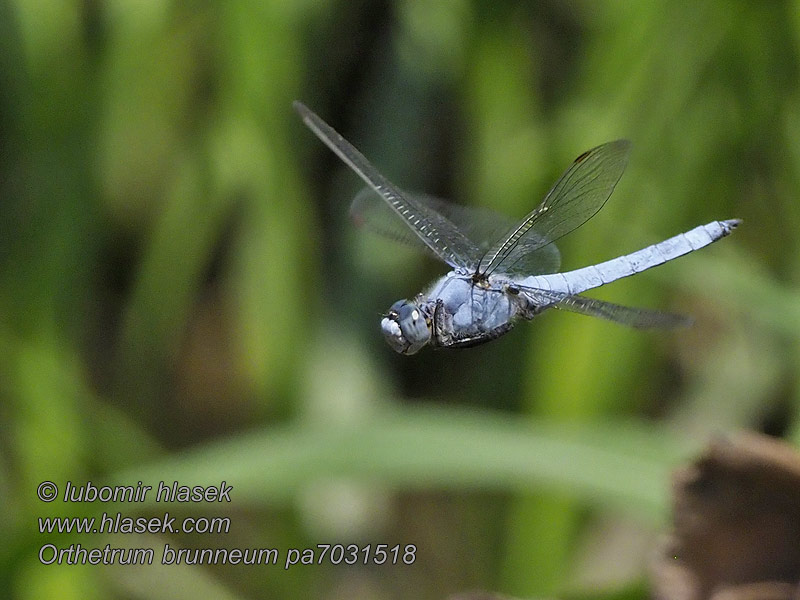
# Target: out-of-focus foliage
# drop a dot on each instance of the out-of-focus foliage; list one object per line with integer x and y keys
{"x": 183, "y": 298}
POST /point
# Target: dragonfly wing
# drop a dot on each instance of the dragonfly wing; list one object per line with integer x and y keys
{"x": 532, "y": 257}
{"x": 481, "y": 225}
{"x": 575, "y": 198}
{"x": 433, "y": 229}
{"x": 640, "y": 318}
{"x": 370, "y": 211}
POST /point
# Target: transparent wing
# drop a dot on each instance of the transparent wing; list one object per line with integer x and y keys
{"x": 640, "y": 318}
{"x": 481, "y": 225}
{"x": 433, "y": 229}
{"x": 575, "y": 198}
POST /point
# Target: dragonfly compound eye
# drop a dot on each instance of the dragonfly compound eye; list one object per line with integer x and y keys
{"x": 405, "y": 327}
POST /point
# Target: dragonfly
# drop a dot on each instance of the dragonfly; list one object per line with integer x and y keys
{"x": 505, "y": 272}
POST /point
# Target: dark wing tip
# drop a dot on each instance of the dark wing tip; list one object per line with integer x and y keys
{"x": 621, "y": 146}
{"x": 666, "y": 321}
{"x": 621, "y": 143}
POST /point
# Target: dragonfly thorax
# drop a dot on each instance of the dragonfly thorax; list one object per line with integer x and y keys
{"x": 406, "y": 327}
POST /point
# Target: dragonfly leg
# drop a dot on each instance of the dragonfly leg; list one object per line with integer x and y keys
{"x": 442, "y": 325}
{"x": 476, "y": 340}
{"x": 530, "y": 309}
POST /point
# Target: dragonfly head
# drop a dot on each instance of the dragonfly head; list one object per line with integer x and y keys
{"x": 406, "y": 327}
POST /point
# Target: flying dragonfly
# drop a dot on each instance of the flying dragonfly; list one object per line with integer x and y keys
{"x": 502, "y": 271}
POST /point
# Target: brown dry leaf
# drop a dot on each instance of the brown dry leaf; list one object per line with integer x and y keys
{"x": 736, "y": 525}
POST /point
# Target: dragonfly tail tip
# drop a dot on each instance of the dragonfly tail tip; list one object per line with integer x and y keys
{"x": 731, "y": 224}
{"x": 300, "y": 108}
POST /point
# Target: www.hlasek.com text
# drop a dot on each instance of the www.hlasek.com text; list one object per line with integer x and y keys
{"x": 120, "y": 523}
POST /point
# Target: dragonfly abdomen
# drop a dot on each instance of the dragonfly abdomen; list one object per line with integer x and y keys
{"x": 580, "y": 280}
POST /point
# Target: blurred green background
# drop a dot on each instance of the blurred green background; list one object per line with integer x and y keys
{"x": 182, "y": 296}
